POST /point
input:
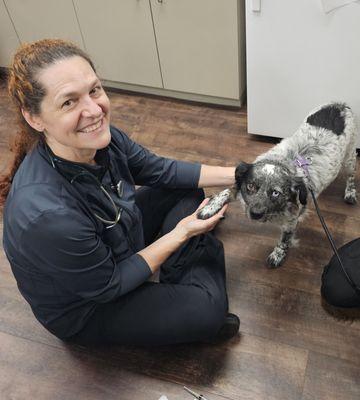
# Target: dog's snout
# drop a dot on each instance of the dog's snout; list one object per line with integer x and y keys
{"x": 256, "y": 214}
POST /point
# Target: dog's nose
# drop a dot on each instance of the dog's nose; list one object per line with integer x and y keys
{"x": 256, "y": 215}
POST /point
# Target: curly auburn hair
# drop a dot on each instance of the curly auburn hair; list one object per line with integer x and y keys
{"x": 27, "y": 94}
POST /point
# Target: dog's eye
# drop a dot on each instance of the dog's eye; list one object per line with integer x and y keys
{"x": 275, "y": 193}
{"x": 251, "y": 187}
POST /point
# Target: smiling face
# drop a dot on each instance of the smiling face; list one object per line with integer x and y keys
{"x": 268, "y": 191}
{"x": 75, "y": 112}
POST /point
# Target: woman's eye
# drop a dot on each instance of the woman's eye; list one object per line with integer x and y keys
{"x": 67, "y": 103}
{"x": 275, "y": 193}
{"x": 95, "y": 90}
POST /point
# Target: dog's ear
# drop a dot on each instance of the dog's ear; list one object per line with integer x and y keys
{"x": 240, "y": 172}
{"x": 299, "y": 187}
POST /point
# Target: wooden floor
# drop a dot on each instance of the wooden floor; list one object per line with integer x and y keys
{"x": 290, "y": 346}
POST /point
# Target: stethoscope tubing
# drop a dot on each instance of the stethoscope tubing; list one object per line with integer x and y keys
{"x": 118, "y": 188}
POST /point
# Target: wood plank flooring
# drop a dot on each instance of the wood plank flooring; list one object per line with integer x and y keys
{"x": 291, "y": 346}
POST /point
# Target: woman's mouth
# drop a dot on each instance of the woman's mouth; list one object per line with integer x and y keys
{"x": 92, "y": 128}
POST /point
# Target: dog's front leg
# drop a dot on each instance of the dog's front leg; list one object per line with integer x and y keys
{"x": 277, "y": 256}
{"x": 215, "y": 204}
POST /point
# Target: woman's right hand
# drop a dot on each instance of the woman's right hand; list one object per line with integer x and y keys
{"x": 192, "y": 226}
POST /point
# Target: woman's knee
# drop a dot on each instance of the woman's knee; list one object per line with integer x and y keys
{"x": 199, "y": 193}
{"x": 188, "y": 201}
{"x": 194, "y": 196}
{"x": 210, "y": 316}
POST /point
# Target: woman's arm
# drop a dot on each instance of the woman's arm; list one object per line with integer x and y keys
{"x": 157, "y": 253}
{"x": 216, "y": 176}
{"x": 151, "y": 170}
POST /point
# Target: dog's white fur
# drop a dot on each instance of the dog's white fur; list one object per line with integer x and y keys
{"x": 326, "y": 150}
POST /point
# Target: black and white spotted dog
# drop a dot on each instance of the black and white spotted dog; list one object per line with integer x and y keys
{"x": 275, "y": 187}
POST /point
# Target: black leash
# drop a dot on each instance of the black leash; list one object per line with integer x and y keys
{"x": 331, "y": 240}
{"x": 304, "y": 163}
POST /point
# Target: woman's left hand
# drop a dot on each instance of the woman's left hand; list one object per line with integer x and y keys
{"x": 192, "y": 226}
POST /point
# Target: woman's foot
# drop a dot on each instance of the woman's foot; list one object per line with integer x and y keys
{"x": 229, "y": 329}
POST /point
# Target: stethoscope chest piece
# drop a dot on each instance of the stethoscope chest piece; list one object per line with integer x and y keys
{"x": 118, "y": 188}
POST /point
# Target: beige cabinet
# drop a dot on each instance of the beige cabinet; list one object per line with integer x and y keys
{"x": 198, "y": 44}
{"x": 39, "y": 19}
{"x": 120, "y": 37}
{"x": 189, "y": 49}
{"x": 8, "y": 38}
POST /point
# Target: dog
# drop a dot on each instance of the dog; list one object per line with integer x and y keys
{"x": 275, "y": 187}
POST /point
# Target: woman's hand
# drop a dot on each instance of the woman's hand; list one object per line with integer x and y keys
{"x": 156, "y": 253}
{"x": 192, "y": 226}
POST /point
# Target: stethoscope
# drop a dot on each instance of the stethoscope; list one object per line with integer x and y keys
{"x": 117, "y": 188}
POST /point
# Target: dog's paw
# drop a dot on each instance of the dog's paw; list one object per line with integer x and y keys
{"x": 350, "y": 196}
{"x": 276, "y": 257}
{"x": 205, "y": 212}
{"x": 214, "y": 205}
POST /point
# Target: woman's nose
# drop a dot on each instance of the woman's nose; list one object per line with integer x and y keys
{"x": 91, "y": 108}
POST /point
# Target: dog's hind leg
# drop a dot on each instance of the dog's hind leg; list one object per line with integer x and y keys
{"x": 277, "y": 256}
{"x": 350, "y": 168}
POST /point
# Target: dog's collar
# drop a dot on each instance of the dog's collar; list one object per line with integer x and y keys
{"x": 303, "y": 163}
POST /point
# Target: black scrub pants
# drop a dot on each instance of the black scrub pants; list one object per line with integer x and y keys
{"x": 335, "y": 288}
{"x": 189, "y": 304}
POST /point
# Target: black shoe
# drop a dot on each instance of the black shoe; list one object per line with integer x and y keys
{"x": 229, "y": 329}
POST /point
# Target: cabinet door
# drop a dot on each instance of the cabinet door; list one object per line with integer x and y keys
{"x": 119, "y": 35}
{"x": 198, "y": 44}
{"x": 40, "y": 19}
{"x": 8, "y": 38}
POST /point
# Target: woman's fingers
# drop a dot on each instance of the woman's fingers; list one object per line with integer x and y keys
{"x": 218, "y": 215}
{"x": 196, "y": 226}
{"x": 205, "y": 201}
{"x": 223, "y": 210}
{"x": 212, "y": 221}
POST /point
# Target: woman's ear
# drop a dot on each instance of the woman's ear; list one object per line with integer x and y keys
{"x": 240, "y": 172}
{"x": 33, "y": 120}
{"x": 300, "y": 188}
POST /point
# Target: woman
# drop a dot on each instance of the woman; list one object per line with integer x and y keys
{"x": 81, "y": 242}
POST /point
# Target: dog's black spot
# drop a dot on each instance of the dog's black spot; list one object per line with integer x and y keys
{"x": 241, "y": 171}
{"x": 329, "y": 118}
